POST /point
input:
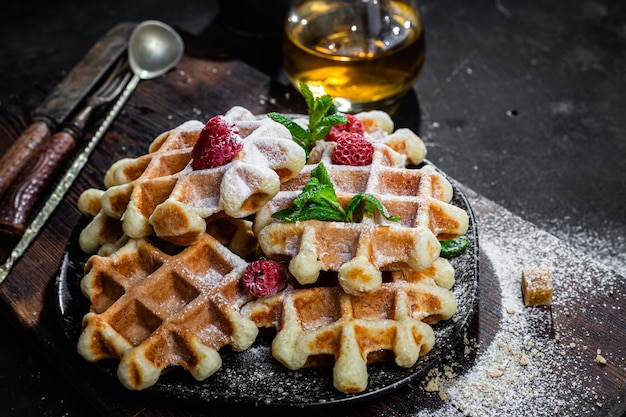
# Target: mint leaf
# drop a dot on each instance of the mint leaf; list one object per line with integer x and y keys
{"x": 314, "y": 194}
{"x": 319, "y": 190}
{"x": 310, "y": 212}
{"x": 308, "y": 96}
{"x": 322, "y": 116}
{"x": 453, "y": 247}
{"x": 320, "y": 131}
{"x": 319, "y": 201}
{"x": 370, "y": 205}
{"x": 299, "y": 135}
{"x": 327, "y": 196}
{"x": 294, "y": 128}
{"x": 320, "y": 173}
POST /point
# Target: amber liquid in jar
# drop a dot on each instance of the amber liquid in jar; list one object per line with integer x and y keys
{"x": 363, "y": 63}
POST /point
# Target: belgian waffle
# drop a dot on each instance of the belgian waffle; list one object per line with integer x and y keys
{"x": 360, "y": 251}
{"x": 165, "y": 289}
{"x": 160, "y": 191}
{"x": 154, "y": 309}
{"x": 324, "y": 325}
{"x": 407, "y": 147}
{"x": 379, "y": 128}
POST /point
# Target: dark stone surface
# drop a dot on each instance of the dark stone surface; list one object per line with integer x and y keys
{"x": 521, "y": 101}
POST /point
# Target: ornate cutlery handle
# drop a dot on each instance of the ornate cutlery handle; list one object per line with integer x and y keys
{"x": 21, "y": 198}
{"x": 22, "y": 150}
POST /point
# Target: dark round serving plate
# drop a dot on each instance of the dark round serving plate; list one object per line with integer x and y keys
{"x": 254, "y": 377}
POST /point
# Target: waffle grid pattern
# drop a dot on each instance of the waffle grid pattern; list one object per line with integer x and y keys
{"x": 360, "y": 251}
{"x": 154, "y": 310}
{"x": 316, "y": 322}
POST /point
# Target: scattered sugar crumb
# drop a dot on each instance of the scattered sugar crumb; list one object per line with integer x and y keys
{"x": 432, "y": 385}
{"x": 523, "y": 361}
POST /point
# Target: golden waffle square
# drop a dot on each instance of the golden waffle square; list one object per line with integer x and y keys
{"x": 156, "y": 306}
{"x": 160, "y": 192}
{"x": 325, "y": 325}
{"x": 360, "y": 251}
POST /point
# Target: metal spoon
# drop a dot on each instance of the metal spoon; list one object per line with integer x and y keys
{"x": 153, "y": 49}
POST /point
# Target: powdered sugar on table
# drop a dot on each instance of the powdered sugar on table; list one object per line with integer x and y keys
{"x": 539, "y": 361}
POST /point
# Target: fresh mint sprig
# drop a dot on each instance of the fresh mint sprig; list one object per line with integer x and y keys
{"x": 322, "y": 117}
{"x": 318, "y": 201}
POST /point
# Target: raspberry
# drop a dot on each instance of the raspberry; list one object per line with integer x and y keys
{"x": 218, "y": 144}
{"x": 352, "y": 149}
{"x": 264, "y": 278}
{"x": 354, "y": 125}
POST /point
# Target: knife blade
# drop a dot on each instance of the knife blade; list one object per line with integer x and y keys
{"x": 63, "y": 100}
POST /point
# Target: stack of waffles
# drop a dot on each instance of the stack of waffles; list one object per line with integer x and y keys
{"x": 170, "y": 245}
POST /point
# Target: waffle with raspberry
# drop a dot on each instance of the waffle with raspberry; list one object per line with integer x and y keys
{"x": 156, "y": 306}
{"x": 377, "y": 127}
{"x": 161, "y": 193}
{"x": 169, "y": 286}
{"x": 324, "y": 325}
{"x": 360, "y": 251}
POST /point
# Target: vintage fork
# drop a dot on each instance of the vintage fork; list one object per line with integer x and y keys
{"x": 109, "y": 90}
{"x": 21, "y": 198}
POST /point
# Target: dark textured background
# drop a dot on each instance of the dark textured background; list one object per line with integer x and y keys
{"x": 523, "y": 102}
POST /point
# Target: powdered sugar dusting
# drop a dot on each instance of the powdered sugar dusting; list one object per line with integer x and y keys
{"x": 190, "y": 126}
{"x": 607, "y": 246}
{"x": 539, "y": 362}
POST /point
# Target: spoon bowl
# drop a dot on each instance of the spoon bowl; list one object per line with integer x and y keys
{"x": 153, "y": 49}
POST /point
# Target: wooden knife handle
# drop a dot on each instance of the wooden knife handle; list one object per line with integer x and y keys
{"x": 22, "y": 196}
{"x": 22, "y": 150}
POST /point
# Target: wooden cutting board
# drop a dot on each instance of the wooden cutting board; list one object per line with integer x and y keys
{"x": 485, "y": 375}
